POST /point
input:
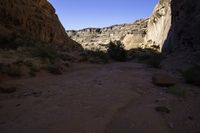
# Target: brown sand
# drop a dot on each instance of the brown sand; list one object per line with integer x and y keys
{"x": 91, "y": 98}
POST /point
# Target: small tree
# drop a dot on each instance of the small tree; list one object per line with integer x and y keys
{"x": 116, "y": 51}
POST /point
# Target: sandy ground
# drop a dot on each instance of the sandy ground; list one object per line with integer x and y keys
{"x": 91, "y": 98}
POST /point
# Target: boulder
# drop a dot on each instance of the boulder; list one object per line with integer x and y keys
{"x": 163, "y": 80}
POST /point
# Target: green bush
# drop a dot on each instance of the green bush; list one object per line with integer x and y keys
{"x": 152, "y": 59}
{"x": 7, "y": 43}
{"x": 54, "y": 69}
{"x": 155, "y": 61}
{"x": 177, "y": 91}
{"x": 45, "y": 51}
{"x": 97, "y": 54}
{"x": 116, "y": 51}
{"x": 15, "y": 41}
{"x": 11, "y": 70}
{"x": 33, "y": 69}
{"x": 192, "y": 75}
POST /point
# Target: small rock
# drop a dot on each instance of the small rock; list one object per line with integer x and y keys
{"x": 162, "y": 109}
{"x": 18, "y": 105}
{"x": 7, "y": 89}
{"x": 171, "y": 125}
{"x": 191, "y": 118}
{"x": 37, "y": 94}
{"x": 163, "y": 80}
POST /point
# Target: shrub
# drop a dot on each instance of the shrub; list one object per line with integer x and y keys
{"x": 155, "y": 60}
{"x": 11, "y": 70}
{"x": 152, "y": 59}
{"x": 45, "y": 51}
{"x": 192, "y": 75}
{"x": 54, "y": 69}
{"x": 33, "y": 69}
{"x": 97, "y": 54}
{"x": 177, "y": 91}
{"x": 116, "y": 51}
{"x": 15, "y": 41}
{"x": 32, "y": 73}
{"x": 7, "y": 43}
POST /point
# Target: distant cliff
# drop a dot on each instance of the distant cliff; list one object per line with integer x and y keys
{"x": 132, "y": 35}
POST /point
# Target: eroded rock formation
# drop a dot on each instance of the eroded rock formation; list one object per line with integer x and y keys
{"x": 131, "y": 35}
{"x": 35, "y": 19}
{"x": 174, "y": 25}
{"x": 159, "y": 25}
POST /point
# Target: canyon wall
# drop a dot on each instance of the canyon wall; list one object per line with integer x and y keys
{"x": 35, "y": 19}
{"x": 175, "y": 25}
{"x": 131, "y": 35}
{"x": 185, "y": 26}
{"x": 159, "y": 25}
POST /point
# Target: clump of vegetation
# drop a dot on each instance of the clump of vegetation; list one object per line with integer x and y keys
{"x": 7, "y": 42}
{"x": 32, "y": 73}
{"x": 177, "y": 91}
{"x": 54, "y": 69}
{"x": 11, "y": 70}
{"x": 15, "y": 41}
{"x": 162, "y": 109}
{"x": 96, "y": 54}
{"x": 192, "y": 75}
{"x": 33, "y": 70}
{"x": 45, "y": 51}
{"x": 155, "y": 60}
{"x": 116, "y": 51}
{"x": 151, "y": 58}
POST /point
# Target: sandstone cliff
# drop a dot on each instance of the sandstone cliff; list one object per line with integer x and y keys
{"x": 159, "y": 25}
{"x": 35, "y": 19}
{"x": 174, "y": 25}
{"x": 131, "y": 35}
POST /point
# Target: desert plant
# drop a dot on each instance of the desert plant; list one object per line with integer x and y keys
{"x": 54, "y": 69}
{"x": 11, "y": 70}
{"x": 45, "y": 51}
{"x": 155, "y": 60}
{"x": 97, "y": 54}
{"x": 33, "y": 69}
{"x": 116, "y": 51}
{"x": 192, "y": 75}
{"x": 32, "y": 73}
{"x": 177, "y": 91}
{"x": 152, "y": 59}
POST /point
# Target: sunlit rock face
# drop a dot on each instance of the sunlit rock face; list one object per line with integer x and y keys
{"x": 159, "y": 25}
{"x": 184, "y": 33}
{"x": 131, "y": 35}
{"x": 174, "y": 26}
{"x": 35, "y": 19}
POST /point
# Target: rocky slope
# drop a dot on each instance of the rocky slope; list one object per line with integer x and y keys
{"x": 132, "y": 35}
{"x": 34, "y": 19}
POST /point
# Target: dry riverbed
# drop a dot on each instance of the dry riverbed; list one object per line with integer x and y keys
{"x": 93, "y": 98}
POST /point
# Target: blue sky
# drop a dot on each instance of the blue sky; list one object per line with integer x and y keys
{"x": 78, "y": 14}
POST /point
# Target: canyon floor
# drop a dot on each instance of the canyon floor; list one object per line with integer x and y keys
{"x": 92, "y": 98}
